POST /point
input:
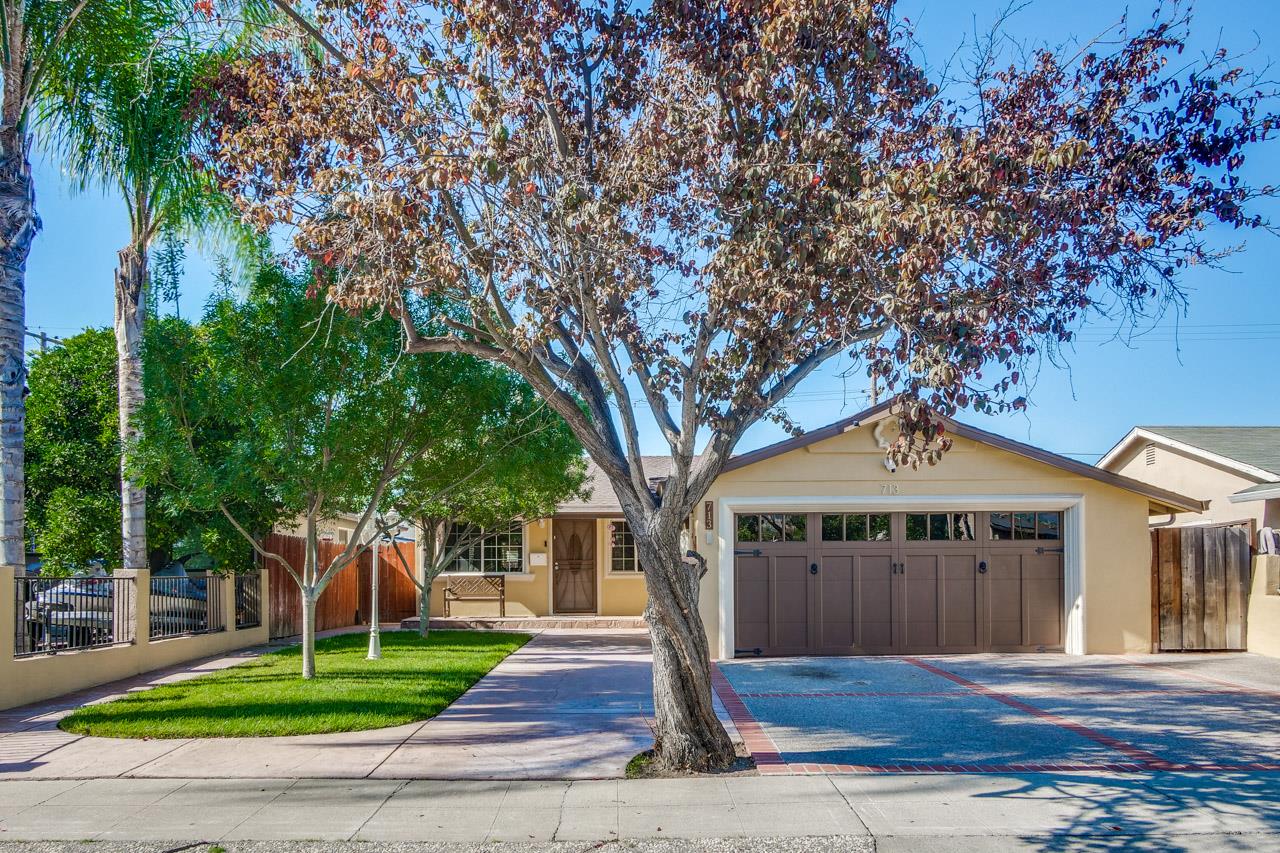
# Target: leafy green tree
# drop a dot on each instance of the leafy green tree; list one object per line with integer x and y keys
{"x": 73, "y": 470}
{"x": 284, "y": 396}
{"x": 73, "y": 452}
{"x": 518, "y": 461}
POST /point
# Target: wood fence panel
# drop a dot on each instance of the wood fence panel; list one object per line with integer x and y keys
{"x": 1192, "y": 588}
{"x": 345, "y": 601}
{"x": 1168, "y": 544}
{"x": 1214, "y": 622}
{"x": 1200, "y": 584}
{"x": 1238, "y": 564}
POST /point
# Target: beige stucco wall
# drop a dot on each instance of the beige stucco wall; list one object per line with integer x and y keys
{"x": 1264, "y": 606}
{"x": 1116, "y": 558}
{"x": 529, "y": 593}
{"x": 46, "y": 676}
{"x": 1188, "y": 475}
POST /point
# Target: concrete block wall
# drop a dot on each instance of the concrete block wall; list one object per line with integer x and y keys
{"x": 33, "y": 679}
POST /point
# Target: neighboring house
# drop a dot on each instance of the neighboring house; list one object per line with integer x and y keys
{"x": 1235, "y": 468}
{"x": 814, "y": 546}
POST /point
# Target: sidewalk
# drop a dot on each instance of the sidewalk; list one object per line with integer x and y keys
{"x": 568, "y": 705}
{"x": 1097, "y": 811}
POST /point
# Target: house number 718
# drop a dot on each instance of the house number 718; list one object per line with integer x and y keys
{"x": 888, "y": 488}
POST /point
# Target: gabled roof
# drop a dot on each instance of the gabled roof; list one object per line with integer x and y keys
{"x": 1251, "y": 450}
{"x": 1162, "y": 497}
{"x": 603, "y": 500}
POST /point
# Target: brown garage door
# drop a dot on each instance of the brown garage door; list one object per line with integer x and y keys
{"x": 897, "y": 583}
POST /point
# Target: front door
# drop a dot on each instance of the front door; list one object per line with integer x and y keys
{"x": 573, "y": 556}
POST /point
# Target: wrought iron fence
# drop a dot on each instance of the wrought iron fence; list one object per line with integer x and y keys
{"x": 248, "y": 600}
{"x": 66, "y": 614}
{"x": 186, "y": 604}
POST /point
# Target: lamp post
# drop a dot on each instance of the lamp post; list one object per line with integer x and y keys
{"x": 375, "y": 633}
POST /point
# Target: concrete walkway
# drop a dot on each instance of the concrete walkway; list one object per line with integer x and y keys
{"x": 905, "y": 812}
{"x": 568, "y": 705}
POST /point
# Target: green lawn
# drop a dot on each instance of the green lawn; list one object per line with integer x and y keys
{"x": 415, "y": 680}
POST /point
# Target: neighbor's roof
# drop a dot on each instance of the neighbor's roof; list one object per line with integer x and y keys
{"x": 603, "y": 499}
{"x": 1260, "y": 492}
{"x": 1253, "y": 450}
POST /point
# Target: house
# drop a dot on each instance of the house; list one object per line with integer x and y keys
{"x": 1236, "y": 469}
{"x": 815, "y": 546}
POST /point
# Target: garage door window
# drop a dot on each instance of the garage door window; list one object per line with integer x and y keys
{"x": 773, "y": 527}
{"x": 941, "y": 526}
{"x": 1026, "y": 525}
{"x": 856, "y": 527}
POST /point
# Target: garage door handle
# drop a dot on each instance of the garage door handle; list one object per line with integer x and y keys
{"x": 982, "y": 567}
{"x": 813, "y": 568}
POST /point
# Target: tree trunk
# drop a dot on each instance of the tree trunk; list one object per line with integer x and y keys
{"x": 309, "y": 633}
{"x": 424, "y": 609}
{"x": 131, "y": 280}
{"x": 18, "y": 226}
{"x": 688, "y": 734}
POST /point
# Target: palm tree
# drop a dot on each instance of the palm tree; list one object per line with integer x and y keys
{"x": 132, "y": 132}
{"x": 36, "y": 37}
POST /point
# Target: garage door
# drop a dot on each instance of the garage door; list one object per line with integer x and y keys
{"x": 898, "y": 583}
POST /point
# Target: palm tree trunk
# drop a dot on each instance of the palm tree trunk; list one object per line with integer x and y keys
{"x": 131, "y": 281}
{"x": 18, "y": 226}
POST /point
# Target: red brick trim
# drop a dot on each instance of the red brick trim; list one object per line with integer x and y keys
{"x": 762, "y": 748}
{"x": 1153, "y": 761}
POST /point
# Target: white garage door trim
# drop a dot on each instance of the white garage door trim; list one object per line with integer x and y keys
{"x": 1072, "y": 507}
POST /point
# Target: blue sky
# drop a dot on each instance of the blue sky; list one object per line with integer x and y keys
{"x": 1215, "y": 364}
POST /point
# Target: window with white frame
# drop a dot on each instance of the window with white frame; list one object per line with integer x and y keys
{"x": 622, "y": 548}
{"x": 485, "y": 551}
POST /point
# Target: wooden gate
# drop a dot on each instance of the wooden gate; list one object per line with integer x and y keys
{"x": 1200, "y": 588}
{"x": 346, "y": 600}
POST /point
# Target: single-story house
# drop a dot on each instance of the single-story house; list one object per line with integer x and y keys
{"x": 1236, "y": 469}
{"x": 815, "y": 546}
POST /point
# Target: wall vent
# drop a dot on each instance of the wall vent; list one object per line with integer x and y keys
{"x": 1151, "y": 454}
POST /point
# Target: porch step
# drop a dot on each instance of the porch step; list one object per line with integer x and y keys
{"x": 529, "y": 623}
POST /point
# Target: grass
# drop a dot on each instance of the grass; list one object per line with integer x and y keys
{"x": 641, "y": 765}
{"x": 415, "y": 680}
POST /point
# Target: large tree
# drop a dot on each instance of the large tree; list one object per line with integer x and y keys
{"x": 518, "y": 462}
{"x": 73, "y": 452}
{"x": 681, "y": 209}
{"x": 282, "y": 395}
{"x": 130, "y": 130}
{"x": 37, "y": 38}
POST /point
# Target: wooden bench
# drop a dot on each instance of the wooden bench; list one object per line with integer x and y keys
{"x": 478, "y": 588}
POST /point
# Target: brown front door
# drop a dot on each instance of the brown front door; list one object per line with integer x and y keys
{"x": 573, "y": 556}
{"x": 897, "y": 583}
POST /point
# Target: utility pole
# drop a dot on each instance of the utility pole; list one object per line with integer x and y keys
{"x": 45, "y": 339}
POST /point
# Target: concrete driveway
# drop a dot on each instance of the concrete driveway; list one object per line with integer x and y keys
{"x": 1009, "y": 713}
{"x": 568, "y": 705}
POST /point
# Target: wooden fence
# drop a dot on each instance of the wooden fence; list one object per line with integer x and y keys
{"x": 1200, "y": 588}
{"x": 346, "y": 600}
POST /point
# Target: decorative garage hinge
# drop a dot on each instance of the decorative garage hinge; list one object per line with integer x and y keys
{"x": 1051, "y": 550}
{"x": 746, "y": 552}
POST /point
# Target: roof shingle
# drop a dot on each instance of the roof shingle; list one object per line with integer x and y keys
{"x": 1258, "y": 446}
